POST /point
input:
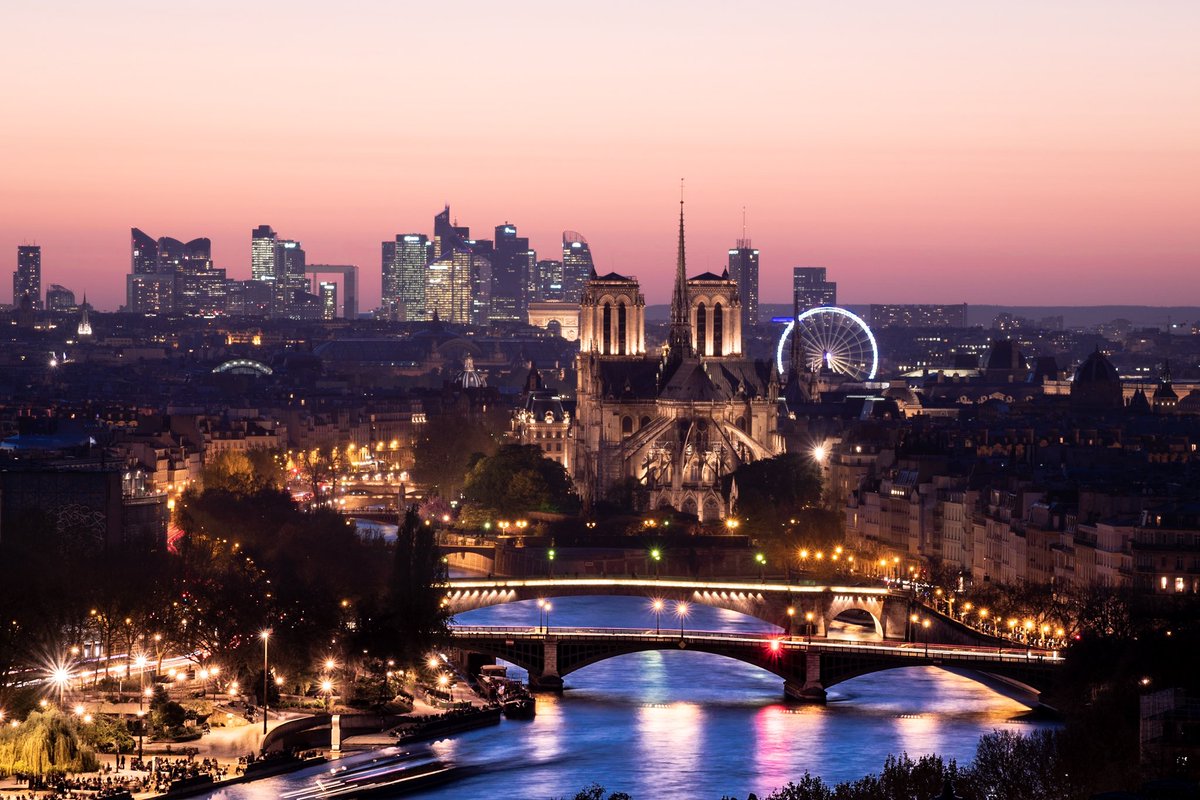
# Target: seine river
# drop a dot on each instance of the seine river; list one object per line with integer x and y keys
{"x": 675, "y": 724}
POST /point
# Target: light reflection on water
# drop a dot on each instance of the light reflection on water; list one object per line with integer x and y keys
{"x": 684, "y": 724}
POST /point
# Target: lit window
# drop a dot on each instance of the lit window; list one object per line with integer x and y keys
{"x": 1179, "y": 585}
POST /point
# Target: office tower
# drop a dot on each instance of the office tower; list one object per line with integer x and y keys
{"x": 404, "y": 263}
{"x": 60, "y": 298}
{"x": 743, "y": 270}
{"x": 577, "y": 265}
{"x": 191, "y": 264}
{"x": 27, "y": 279}
{"x": 289, "y": 277}
{"x": 810, "y": 289}
{"x": 185, "y": 267}
{"x": 143, "y": 253}
{"x": 328, "y": 300}
{"x": 448, "y": 286}
{"x": 150, "y": 294}
{"x": 446, "y": 235}
{"x": 262, "y": 253}
{"x": 548, "y": 281}
{"x": 483, "y": 254}
{"x": 884, "y": 315}
{"x": 510, "y": 275}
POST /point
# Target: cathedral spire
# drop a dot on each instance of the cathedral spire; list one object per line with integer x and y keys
{"x": 680, "y": 340}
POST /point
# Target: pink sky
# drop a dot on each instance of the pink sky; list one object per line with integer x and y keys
{"x": 1027, "y": 153}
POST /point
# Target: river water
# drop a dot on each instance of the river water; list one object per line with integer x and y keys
{"x": 677, "y": 724}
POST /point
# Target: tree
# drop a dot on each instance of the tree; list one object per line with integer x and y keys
{"x": 446, "y": 449}
{"x": 46, "y": 743}
{"x": 518, "y": 478}
{"x": 412, "y": 620}
{"x": 1009, "y": 766}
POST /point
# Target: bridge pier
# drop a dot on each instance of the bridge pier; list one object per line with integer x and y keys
{"x": 811, "y": 690}
{"x": 549, "y": 680}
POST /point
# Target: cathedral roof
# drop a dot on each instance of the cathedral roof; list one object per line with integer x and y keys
{"x": 707, "y": 276}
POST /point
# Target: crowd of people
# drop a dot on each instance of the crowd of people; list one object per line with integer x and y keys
{"x": 156, "y": 774}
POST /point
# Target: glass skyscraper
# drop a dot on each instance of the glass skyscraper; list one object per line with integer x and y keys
{"x": 743, "y": 269}
{"x": 577, "y": 266}
{"x": 27, "y": 280}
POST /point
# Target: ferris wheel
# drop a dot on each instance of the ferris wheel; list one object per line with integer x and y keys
{"x": 832, "y": 338}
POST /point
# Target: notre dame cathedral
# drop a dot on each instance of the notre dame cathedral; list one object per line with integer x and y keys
{"x": 674, "y": 420}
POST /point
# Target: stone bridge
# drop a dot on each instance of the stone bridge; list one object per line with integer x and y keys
{"x": 785, "y": 605}
{"x": 808, "y": 667}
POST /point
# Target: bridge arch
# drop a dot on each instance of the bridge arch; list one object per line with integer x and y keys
{"x": 807, "y": 671}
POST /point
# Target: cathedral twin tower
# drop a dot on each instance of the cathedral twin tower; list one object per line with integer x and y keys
{"x": 669, "y": 424}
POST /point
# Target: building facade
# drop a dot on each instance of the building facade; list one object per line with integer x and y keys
{"x": 743, "y": 269}
{"x": 27, "y": 280}
{"x": 668, "y": 424}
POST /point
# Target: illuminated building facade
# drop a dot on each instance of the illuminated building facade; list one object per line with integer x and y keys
{"x": 669, "y": 422}
{"x": 27, "y": 280}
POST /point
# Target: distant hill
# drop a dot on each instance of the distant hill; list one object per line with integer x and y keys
{"x": 1073, "y": 316}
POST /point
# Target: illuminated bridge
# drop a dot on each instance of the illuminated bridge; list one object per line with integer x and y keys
{"x": 808, "y": 667}
{"x": 889, "y": 609}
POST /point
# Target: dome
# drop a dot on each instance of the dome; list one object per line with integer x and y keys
{"x": 1097, "y": 387}
{"x": 1096, "y": 369}
{"x": 469, "y": 378}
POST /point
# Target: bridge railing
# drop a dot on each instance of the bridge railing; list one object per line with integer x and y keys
{"x": 914, "y": 650}
{"x": 711, "y": 585}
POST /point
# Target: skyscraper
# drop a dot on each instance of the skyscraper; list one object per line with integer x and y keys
{"x": 483, "y": 254}
{"x": 60, "y": 298}
{"x": 510, "y": 275}
{"x": 143, "y": 251}
{"x": 27, "y": 279}
{"x": 168, "y": 275}
{"x": 810, "y": 289}
{"x": 289, "y": 275}
{"x": 448, "y": 286}
{"x": 328, "y": 300}
{"x": 404, "y": 263}
{"x": 262, "y": 253}
{"x": 548, "y": 280}
{"x": 577, "y": 265}
{"x": 743, "y": 269}
{"x": 446, "y": 235}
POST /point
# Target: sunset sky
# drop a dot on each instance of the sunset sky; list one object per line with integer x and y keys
{"x": 1031, "y": 153}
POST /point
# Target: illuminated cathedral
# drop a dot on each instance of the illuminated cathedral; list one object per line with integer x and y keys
{"x": 669, "y": 423}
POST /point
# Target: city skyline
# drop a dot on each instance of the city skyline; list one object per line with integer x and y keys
{"x": 907, "y": 150}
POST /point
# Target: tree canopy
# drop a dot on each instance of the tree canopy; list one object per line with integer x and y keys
{"x": 519, "y": 479}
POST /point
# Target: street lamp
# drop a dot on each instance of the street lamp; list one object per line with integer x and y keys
{"x": 791, "y": 613}
{"x": 541, "y": 603}
{"x": 761, "y": 560}
{"x": 60, "y": 676}
{"x": 265, "y": 635}
{"x": 925, "y": 626}
{"x": 681, "y": 611}
{"x": 548, "y": 610}
{"x": 658, "y": 607}
{"x": 550, "y": 561}
{"x": 656, "y": 556}
{"x": 808, "y": 621}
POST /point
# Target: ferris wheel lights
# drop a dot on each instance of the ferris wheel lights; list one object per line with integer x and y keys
{"x": 835, "y": 339}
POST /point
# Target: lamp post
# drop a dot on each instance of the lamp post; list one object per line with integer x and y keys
{"x": 808, "y": 621}
{"x": 656, "y": 556}
{"x": 265, "y": 635}
{"x": 658, "y": 607}
{"x": 541, "y": 604}
{"x": 681, "y": 611}
{"x": 761, "y": 560}
{"x": 925, "y": 627}
{"x": 791, "y": 613}
{"x": 550, "y": 561}
{"x": 549, "y": 608}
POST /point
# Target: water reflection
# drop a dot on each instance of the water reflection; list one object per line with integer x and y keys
{"x": 677, "y": 723}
